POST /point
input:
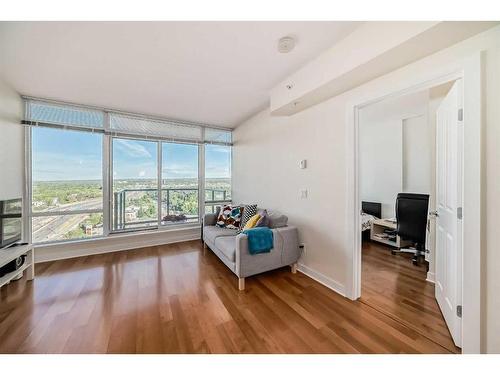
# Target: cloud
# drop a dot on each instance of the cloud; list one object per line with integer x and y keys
{"x": 132, "y": 148}
{"x": 217, "y": 171}
{"x": 142, "y": 173}
{"x": 175, "y": 170}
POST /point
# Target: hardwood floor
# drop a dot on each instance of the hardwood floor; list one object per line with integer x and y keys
{"x": 172, "y": 299}
{"x": 392, "y": 285}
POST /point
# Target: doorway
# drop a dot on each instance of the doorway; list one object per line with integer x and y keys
{"x": 469, "y": 70}
{"x": 398, "y": 182}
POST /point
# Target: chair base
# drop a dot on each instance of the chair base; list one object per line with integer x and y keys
{"x": 417, "y": 254}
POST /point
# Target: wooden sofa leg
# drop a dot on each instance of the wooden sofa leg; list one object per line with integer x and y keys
{"x": 294, "y": 267}
{"x": 241, "y": 283}
{"x": 204, "y": 248}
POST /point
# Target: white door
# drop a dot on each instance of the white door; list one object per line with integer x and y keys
{"x": 449, "y": 139}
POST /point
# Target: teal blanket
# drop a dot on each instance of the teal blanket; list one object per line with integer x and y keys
{"x": 260, "y": 240}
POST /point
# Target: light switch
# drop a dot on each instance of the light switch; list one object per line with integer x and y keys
{"x": 303, "y": 194}
{"x": 303, "y": 164}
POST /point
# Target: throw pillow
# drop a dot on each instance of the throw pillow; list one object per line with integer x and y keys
{"x": 263, "y": 220}
{"x": 230, "y": 217}
{"x": 251, "y": 222}
{"x": 249, "y": 211}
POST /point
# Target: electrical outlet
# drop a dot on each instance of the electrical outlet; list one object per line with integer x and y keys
{"x": 302, "y": 247}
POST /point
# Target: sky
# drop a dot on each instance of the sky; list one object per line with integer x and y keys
{"x": 60, "y": 155}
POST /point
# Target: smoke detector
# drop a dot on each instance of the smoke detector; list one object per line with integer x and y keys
{"x": 286, "y": 44}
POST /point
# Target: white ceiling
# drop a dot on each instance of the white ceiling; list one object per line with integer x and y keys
{"x": 218, "y": 73}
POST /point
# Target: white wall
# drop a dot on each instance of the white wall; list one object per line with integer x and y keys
{"x": 387, "y": 161}
{"x": 11, "y": 144}
{"x": 417, "y": 146}
{"x": 265, "y": 169}
{"x": 380, "y": 164}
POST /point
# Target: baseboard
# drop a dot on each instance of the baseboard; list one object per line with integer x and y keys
{"x": 431, "y": 277}
{"x": 322, "y": 279}
{"x": 58, "y": 251}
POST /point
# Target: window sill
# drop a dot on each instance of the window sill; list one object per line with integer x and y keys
{"x": 121, "y": 235}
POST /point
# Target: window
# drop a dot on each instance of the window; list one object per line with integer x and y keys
{"x": 179, "y": 183}
{"x": 152, "y": 171}
{"x": 135, "y": 184}
{"x": 66, "y": 185}
{"x": 217, "y": 176}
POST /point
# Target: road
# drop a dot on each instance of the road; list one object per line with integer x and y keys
{"x": 54, "y": 228}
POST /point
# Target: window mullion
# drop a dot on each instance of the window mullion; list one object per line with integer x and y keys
{"x": 106, "y": 178}
{"x": 28, "y": 189}
{"x": 201, "y": 179}
{"x": 160, "y": 180}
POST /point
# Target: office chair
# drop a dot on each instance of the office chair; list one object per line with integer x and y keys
{"x": 411, "y": 217}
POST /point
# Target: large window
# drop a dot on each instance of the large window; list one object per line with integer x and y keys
{"x": 135, "y": 184}
{"x": 66, "y": 185}
{"x": 217, "y": 176}
{"x": 179, "y": 183}
{"x": 97, "y": 172}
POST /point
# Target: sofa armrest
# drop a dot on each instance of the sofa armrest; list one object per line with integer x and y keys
{"x": 209, "y": 219}
{"x": 285, "y": 252}
{"x": 288, "y": 238}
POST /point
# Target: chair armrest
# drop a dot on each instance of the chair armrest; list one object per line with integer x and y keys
{"x": 209, "y": 219}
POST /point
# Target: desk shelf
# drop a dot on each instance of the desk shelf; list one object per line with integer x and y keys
{"x": 379, "y": 226}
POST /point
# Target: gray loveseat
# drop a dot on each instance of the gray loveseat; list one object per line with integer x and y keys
{"x": 232, "y": 248}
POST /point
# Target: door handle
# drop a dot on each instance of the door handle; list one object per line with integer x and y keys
{"x": 433, "y": 214}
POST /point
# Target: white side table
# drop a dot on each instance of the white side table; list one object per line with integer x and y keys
{"x": 9, "y": 254}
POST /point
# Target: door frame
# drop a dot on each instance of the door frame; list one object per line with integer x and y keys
{"x": 470, "y": 71}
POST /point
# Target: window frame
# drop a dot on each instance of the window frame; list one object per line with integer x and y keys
{"x": 29, "y": 214}
{"x": 107, "y": 173}
{"x": 217, "y": 202}
{"x": 160, "y": 184}
{"x": 111, "y": 181}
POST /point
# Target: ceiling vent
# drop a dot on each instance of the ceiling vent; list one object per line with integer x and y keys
{"x": 286, "y": 44}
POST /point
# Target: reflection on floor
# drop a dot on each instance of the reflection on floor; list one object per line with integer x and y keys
{"x": 392, "y": 285}
{"x": 174, "y": 299}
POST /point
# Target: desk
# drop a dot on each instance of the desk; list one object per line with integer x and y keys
{"x": 378, "y": 226}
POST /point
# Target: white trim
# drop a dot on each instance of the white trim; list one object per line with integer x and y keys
{"x": 470, "y": 71}
{"x": 57, "y": 251}
{"x": 322, "y": 279}
{"x": 431, "y": 277}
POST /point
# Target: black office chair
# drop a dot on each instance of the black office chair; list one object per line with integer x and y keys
{"x": 411, "y": 217}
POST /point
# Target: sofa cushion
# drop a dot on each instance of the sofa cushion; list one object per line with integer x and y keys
{"x": 252, "y": 222}
{"x": 277, "y": 220}
{"x": 230, "y": 217}
{"x": 248, "y": 212}
{"x": 210, "y": 233}
{"x": 263, "y": 220}
{"x": 227, "y": 246}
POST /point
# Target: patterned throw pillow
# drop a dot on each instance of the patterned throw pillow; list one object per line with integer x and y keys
{"x": 249, "y": 211}
{"x": 230, "y": 217}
